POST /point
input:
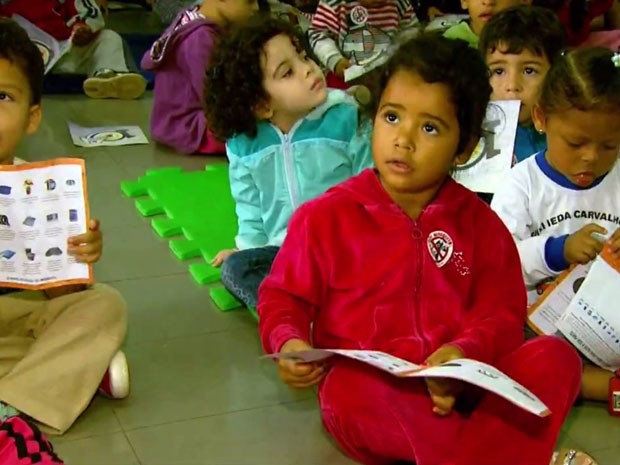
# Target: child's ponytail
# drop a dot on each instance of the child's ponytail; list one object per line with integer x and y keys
{"x": 586, "y": 79}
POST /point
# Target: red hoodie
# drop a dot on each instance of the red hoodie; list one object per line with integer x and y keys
{"x": 56, "y": 17}
{"x": 358, "y": 270}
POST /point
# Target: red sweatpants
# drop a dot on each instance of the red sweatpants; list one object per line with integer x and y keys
{"x": 379, "y": 419}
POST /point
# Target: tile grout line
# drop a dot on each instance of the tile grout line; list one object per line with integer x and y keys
{"x": 131, "y": 446}
{"x": 166, "y": 423}
{"x": 136, "y": 278}
{"x": 186, "y": 336}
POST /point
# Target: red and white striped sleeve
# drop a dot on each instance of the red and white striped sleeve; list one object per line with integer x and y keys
{"x": 324, "y": 32}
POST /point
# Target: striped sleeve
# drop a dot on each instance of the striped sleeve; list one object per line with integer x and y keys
{"x": 323, "y": 34}
{"x": 84, "y": 11}
{"x": 406, "y": 13}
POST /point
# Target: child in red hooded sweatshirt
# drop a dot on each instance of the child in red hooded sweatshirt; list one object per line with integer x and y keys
{"x": 95, "y": 52}
{"x": 404, "y": 260}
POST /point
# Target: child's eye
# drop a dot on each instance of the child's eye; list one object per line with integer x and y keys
{"x": 529, "y": 71}
{"x": 497, "y": 71}
{"x": 574, "y": 145}
{"x": 429, "y": 128}
{"x": 391, "y": 117}
{"x": 4, "y": 96}
{"x": 288, "y": 73}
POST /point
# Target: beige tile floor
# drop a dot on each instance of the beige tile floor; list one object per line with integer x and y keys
{"x": 200, "y": 395}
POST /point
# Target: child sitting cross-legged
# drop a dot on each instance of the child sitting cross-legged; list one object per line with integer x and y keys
{"x": 359, "y": 269}
{"x": 58, "y": 347}
{"x": 289, "y": 140}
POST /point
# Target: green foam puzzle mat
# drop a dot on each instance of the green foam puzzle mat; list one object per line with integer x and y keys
{"x": 196, "y": 211}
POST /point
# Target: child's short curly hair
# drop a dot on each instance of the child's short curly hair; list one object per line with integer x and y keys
{"x": 234, "y": 81}
{"x": 16, "y": 47}
{"x": 452, "y": 62}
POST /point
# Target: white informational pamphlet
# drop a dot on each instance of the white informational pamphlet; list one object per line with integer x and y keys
{"x": 582, "y": 306}
{"x": 51, "y": 49}
{"x": 373, "y": 62}
{"x": 42, "y": 204}
{"x": 469, "y": 371}
{"x": 492, "y": 158}
{"x": 106, "y": 136}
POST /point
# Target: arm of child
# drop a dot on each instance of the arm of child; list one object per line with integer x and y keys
{"x": 323, "y": 35}
{"x": 194, "y": 55}
{"x": 83, "y": 12}
{"x": 290, "y": 296}
{"x": 251, "y": 232}
{"x": 493, "y": 324}
{"x": 511, "y": 204}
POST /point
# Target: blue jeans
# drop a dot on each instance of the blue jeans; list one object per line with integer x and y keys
{"x": 243, "y": 272}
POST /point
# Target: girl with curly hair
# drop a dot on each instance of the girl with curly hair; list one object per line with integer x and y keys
{"x": 289, "y": 140}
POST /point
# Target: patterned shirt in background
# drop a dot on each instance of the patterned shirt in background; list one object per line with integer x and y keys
{"x": 347, "y": 29}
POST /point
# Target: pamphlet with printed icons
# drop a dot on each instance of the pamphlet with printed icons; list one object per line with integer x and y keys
{"x": 42, "y": 205}
{"x": 469, "y": 371}
{"x": 581, "y": 305}
{"x": 51, "y": 49}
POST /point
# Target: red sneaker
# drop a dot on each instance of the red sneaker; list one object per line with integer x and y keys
{"x": 115, "y": 383}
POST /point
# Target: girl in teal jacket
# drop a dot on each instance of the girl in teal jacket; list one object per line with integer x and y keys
{"x": 289, "y": 140}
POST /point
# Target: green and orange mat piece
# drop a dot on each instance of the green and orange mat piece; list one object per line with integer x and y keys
{"x": 196, "y": 211}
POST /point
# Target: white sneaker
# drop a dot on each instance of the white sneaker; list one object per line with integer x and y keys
{"x": 115, "y": 383}
{"x": 115, "y": 85}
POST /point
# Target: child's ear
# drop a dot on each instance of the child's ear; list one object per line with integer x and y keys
{"x": 465, "y": 155}
{"x": 465, "y": 4}
{"x": 263, "y": 111}
{"x": 539, "y": 119}
{"x": 34, "y": 119}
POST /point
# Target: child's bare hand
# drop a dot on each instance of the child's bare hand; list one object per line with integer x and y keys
{"x": 443, "y": 391}
{"x": 222, "y": 255}
{"x": 614, "y": 242}
{"x": 581, "y": 247}
{"x": 87, "y": 247}
{"x": 82, "y": 35}
{"x": 341, "y": 67}
{"x": 299, "y": 374}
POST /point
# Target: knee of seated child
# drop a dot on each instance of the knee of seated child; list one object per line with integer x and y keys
{"x": 348, "y": 386}
{"x": 233, "y": 261}
{"x": 557, "y": 354}
{"x": 109, "y": 35}
{"x": 111, "y": 304}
